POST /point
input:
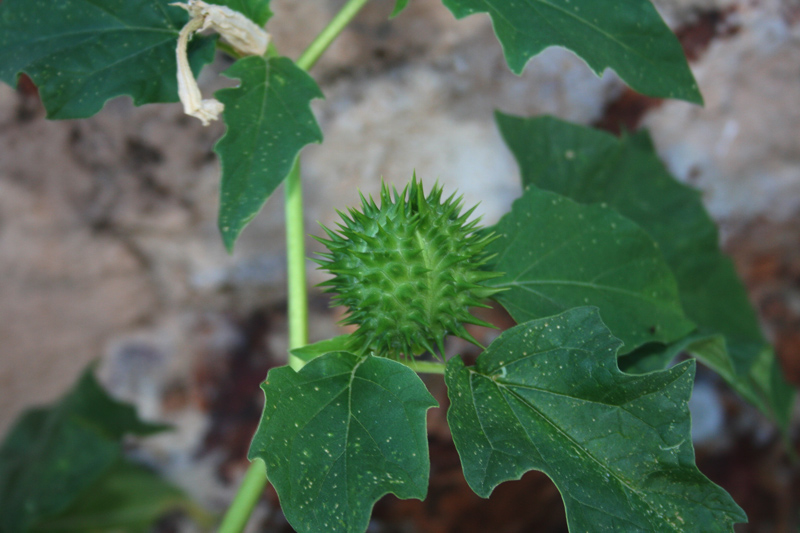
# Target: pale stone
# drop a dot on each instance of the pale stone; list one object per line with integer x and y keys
{"x": 742, "y": 149}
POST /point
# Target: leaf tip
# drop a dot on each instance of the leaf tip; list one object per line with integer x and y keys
{"x": 398, "y": 8}
{"x": 229, "y": 236}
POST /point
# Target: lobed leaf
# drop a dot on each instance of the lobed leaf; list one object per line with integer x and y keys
{"x": 547, "y": 395}
{"x": 340, "y": 434}
{"x": 625, "y": 35}
{"x": 54, "y": 455}
{"x": 556, "y": 254}
{"x": 81, "y": 53}
{"x": 591, "y": 166}
{"x": 268, "y": 121}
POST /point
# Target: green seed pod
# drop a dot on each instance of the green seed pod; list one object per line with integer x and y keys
{"x": 408, "y": 271}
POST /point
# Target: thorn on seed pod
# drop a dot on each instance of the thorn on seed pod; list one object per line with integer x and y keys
{"x": 408, "y": 270}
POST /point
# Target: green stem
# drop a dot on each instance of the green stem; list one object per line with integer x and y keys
{"x": 331, "y": 31}
{"x": 246, "y": 499}
{"x": 228, "y": 49}
{"x": 425, "y": 367}
{"x": 296, "y": 265}
{"x": 255, "y": 479}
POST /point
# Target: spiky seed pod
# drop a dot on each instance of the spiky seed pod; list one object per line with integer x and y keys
{"x": 408, "y": 271}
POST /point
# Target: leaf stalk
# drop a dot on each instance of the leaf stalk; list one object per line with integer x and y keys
{"x": 321, "y": 43}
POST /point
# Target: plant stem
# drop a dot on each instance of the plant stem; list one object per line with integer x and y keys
{"x": 250, "y": 491}
{"x": 425, "y": 367}
{"x": 228, "y": 49}
{"x": 296, "y": 265}
{"x": 331, "y": 31}
{"x": 255, "y": 478}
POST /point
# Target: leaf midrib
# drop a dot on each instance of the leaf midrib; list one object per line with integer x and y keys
{"x": 350, "y": 418}
{"x": 501, "y": 387}
{"x": 603, "y": 288}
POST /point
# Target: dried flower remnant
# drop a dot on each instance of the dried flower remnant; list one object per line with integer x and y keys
{"x": 236, "y": 29}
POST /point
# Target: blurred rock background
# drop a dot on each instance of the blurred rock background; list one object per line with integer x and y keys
{"x": 109, "y": 248}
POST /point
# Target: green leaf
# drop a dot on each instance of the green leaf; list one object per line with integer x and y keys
{"x": 58, "y": 460}
{"x": 268, "y": 121}
{"x": 625, "y": 35}
{"x": 556, "y": 254}
{"x": 342, "y": 343}
{"x": 256, "y": 10}
{"x": 398, "y": 8}
{"x": 81, "y": 53}
{"x": 591, "y": 166}
{"x": 54, "y": 454}
{"x": 547, "y": 395}
{"x": 127, "y": 498}
{"x": 655, "y": 356}
{"x": 340, "y": 434}
{"x": 109, "y": 417}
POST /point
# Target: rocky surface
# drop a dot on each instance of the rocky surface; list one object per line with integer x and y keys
{"x": 109, "y": 250}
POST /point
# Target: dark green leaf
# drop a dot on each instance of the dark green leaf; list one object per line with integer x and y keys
{"x": 398, "y": 7}
{"x": 256, "y": 10}
{"x": 591, "y": 166}
{"x": 81, "y": 53}
{"x": 340, "y": 434}
{"x": 52, "y": 455}
{"x": 556, "y": 254}
{"x": 547, "y": 395}
{"x": 268, "y": 121}
{"x": 656, "y": 356}
{"x": 625, "y": 35}
{"x": 109, "y": 417}
{"x": 59, "y": 459}
{"x": 764, "y": 377}
{"x": 342, "y": 343}
{"x": 127, "y": 498}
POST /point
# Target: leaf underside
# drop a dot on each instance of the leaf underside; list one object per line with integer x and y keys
{"x": 591, "y": 166}
{"x": 556, "y": 254}
{"x": 625, "y": 35}
{"x": 547, "y": 395}
{"x": 268, "y": 122}
{"x": 340, "y": 434}
{"x": 81, "y": 53}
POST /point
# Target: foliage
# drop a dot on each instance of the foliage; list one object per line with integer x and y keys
{"x": 340, "y": 434}
{"x": 626, "y": 35}
{"x": 556, "y": 254}
{"x": 603, "y": 255}
{"x": 62, "y": 468}
{"x": 548, "y": 395}
{"x": 594, "y": 167}
{"x": 81, "y": 53}
{"x": 268, "y": 123}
